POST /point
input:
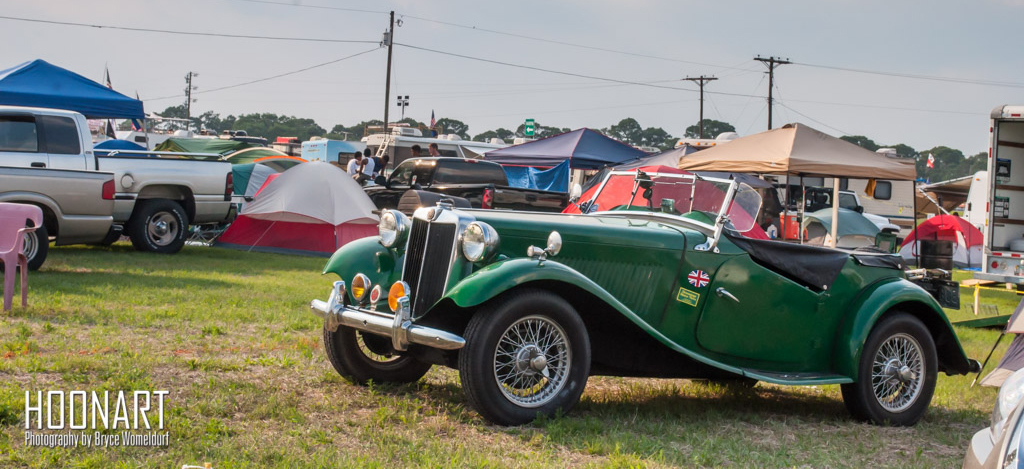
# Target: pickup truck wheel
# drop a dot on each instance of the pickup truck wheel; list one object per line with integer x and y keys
{"x": 366, "y": 357}
{"x": 896, "y": 375}
{"x": 159, "y": 226}
{"x": 37, "y": 245}
{"x": 527, "y": 354}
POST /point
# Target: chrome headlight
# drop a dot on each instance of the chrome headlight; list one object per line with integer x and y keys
{"x": 393, "y": 228}
{"x": 1010, "y": 394}
{"x": 479, "y": 241}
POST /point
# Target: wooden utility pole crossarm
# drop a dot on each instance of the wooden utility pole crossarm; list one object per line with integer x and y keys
{"x": 771, "y": 63}
{"x": 701, "y": 80}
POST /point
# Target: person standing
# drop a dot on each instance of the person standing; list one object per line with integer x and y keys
{"x": 417, "y": 151}
{"x": 433, "y": 150}
{"x": 378, "y": 163}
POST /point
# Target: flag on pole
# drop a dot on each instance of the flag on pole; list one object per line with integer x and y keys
{"x": 109, "y": 128}
{"x": 931, "y": 160}
{"x": 433, "y": 121}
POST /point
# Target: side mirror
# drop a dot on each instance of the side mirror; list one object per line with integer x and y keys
{"x": 575, "y": 192}
{"x": 859, "y": 209}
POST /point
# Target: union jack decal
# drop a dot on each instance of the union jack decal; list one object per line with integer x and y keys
{"x": 698, "y": 278}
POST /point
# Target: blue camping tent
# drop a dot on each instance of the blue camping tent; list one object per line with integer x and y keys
{"x": 114, "y": 144}
{"x": 584, "y": 148}
{"x": 41, "y": 84}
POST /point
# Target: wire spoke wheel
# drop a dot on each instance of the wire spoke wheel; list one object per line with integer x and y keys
{"x": 532, "y": 361}
{"x": 370, "y": 354}
{"x": 898, "y": 372}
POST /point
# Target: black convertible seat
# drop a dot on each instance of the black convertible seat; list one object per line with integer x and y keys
{"x": 815, "y": 267}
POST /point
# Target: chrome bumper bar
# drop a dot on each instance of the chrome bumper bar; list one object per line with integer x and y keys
{"x": 398, "y": 327}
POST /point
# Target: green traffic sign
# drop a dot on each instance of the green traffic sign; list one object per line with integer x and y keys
{"x": 530, "y": 128}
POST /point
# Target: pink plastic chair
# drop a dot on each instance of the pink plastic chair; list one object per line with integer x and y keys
{"x": 13, "y": 226}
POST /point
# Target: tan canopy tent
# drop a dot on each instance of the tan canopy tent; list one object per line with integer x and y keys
{"x": 950, "y": 194}
{"x": 798, "y": 150}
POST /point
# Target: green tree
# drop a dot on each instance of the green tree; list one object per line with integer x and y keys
{"x": 355, "y": 132}
{"x": 271, "y": 126}
{"x": 628, "y": 130}
{"x": 541, "y": 131}
{"x": 862, "y": 142}
{"x": 711, "y": 129}
{"x": 502, "y": 133}
{"x": 451, "y": 126}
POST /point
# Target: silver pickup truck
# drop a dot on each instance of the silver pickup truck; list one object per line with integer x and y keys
{"x": 78, "y": 206}
{"x": 155, "y": 199}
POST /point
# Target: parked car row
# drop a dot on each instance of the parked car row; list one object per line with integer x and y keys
{"x": 47, "y": 159}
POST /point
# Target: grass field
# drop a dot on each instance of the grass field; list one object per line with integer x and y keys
{"x": 230, "y": 336}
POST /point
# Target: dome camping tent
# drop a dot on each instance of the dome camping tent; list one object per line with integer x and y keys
{"x": 967, "y": 240}
{"x": 313, "y": 208}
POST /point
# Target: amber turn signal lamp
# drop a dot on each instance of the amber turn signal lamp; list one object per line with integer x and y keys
{"x": 398, "y": 290}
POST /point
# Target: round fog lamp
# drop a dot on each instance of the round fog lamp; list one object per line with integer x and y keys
{"x": 479, "y": 241}
{"x": 360, "y": 287}
{"x": 398, "y": 290}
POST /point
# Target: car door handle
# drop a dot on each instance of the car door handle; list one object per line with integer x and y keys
{"x": 723, "y": 293}
{"x": 37, "y": 164}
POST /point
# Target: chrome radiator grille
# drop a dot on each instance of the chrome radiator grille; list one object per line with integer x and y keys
{"x": 427, "y": 261}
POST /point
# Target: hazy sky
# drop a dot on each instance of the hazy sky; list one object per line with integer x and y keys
{"x": 960, "y": 40}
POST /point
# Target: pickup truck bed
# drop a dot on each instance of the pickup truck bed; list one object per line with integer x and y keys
{"x": 74, "y": 208}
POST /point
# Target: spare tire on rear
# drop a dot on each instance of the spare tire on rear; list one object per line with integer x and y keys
{"x": 413, "y": 199}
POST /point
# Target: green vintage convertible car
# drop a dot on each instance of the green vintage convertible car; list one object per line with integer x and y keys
{"x": 663, "y": 287}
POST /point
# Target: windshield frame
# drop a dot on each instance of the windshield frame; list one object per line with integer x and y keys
{"x": 713, "y": 231}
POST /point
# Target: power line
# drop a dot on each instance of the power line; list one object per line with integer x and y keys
{"x": 814, "y": 120}
{"x": 966, "y": 81}
{"x": 293, "y": 72}
{"x": 772, "y": 63}
{"x": 561, "y": 72}
{"x": 320, "y": 7}
{"x": 570, "y": 44}
{"x": 186, "y": 33}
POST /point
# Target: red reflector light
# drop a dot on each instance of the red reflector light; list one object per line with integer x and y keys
{"x": 229, "y": 186}
{"x": 488, "y": 198}
{"x": 1015, "y": 115}
{"x": 108, "y": 190}
{"x": 995, "y": 264}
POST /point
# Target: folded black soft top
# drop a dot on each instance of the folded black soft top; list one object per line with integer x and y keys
{"x": 813, "y": 266}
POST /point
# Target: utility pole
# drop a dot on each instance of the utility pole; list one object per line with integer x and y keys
{"x": 188, "y": 99}
{"x": 701, "y": 80}
{"x": 389, "y": 40}
{"x": 771, "y": 63}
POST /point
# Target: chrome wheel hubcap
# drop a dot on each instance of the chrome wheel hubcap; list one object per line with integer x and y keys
{"x": 163, "y": 229}
{"x": 897, "y": 374}
{"x": 532, "y": 361}
{"x": 31, "y": 245}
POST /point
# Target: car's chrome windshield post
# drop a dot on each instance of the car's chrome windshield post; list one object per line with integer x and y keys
{"x": 723, "y": 217}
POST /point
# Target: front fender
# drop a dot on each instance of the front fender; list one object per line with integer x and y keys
{"x": 905, "y": 296}
{"x": 366, "y": 256}
{"x": 501, "y": 276}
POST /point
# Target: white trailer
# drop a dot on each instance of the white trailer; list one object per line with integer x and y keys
{"x": 1003, "y": 257}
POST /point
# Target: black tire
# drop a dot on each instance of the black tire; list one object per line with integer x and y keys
{"x": 377, "y": 361}
{"x": 560, "y": 381}
{"x": 158, "y": 225}
{"x": 905, "y": 386}
{"x": 37, "y": 246}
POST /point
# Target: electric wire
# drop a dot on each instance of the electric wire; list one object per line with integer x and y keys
{"x": 186, "y": 33}
{"x": 966, "y": 81}
{"x": 842, "y": 132}
{"x": 320, "y": 7}
{"x": 293, "y": 72}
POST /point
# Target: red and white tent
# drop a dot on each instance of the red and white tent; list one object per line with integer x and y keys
{"x": 967, "y": 240}
{"x": 313, "y": 208}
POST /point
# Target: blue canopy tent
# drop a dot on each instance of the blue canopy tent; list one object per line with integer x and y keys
{"x": 105, "y": 147}
{"x": 41, "y": 84}
{"x": 584, "y": 148}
